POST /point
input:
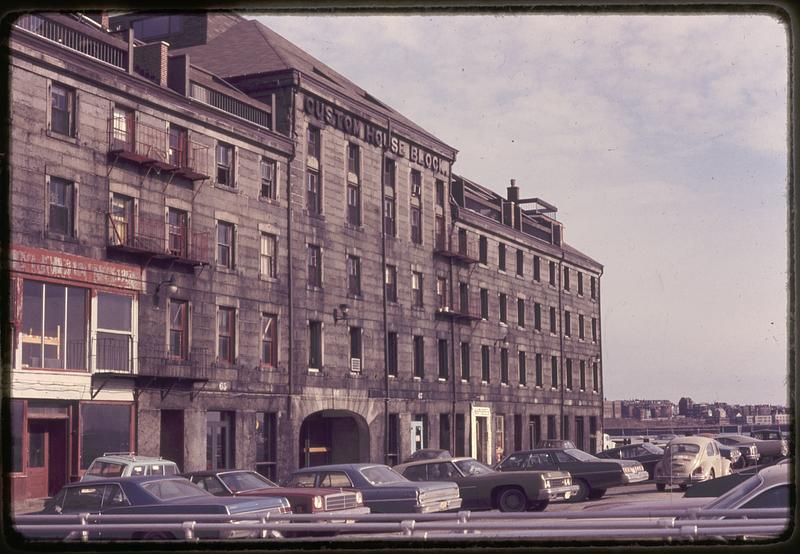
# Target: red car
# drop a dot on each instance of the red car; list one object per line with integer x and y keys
{"x": 304, "y": 500}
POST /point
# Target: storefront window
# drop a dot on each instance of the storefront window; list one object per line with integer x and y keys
{"x": 104, "y": 428}
{"x": 266, "y": 444}
{"x": 219, "y": 440}
{"x": 16, "y": 435}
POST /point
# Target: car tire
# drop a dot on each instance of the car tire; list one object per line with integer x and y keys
{"x": 512, "y": 500}
{"x": 683, "y": 486}
{"x": 661, "y": 487}
{"x": 539, "y": 505}
{"x": 583, "y": 491}
{"x": 596, "y": 494}
{"x": 712, "y": 474}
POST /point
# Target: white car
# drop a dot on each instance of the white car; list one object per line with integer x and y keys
{"x": 690, "y": 460}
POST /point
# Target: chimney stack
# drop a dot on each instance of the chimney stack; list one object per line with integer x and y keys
{"x": 513, "y": 191}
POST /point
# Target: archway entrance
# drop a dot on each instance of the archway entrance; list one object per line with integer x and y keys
{"x": 333, "y": 437}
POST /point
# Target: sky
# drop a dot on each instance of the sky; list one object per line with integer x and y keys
{"x": 660, "y": 138}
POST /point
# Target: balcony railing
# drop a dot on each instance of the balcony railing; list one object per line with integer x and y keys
{"x": 113, "y": 354}
{"x": 74, "y": 40}
{"x": 148, "y": 235}
{"x": 460, "y": 254}
{"x": 159, "y": 362}
{"x": 231, "y": 105}
{"x": 462, "y": 317}
{"x": 147, "y": 145}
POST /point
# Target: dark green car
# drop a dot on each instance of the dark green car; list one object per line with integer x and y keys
{"x": 481, "y": 487}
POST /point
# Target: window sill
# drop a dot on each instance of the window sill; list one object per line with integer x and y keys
{"x": 352, "y": 227}
{"x": 503, "y": 324}
{"x": 53, "y": 235}
{"x": 464, "y": 380}
{"x": 522, "y": 386}
{"x": 418, "y": 308}
{"x": 226, "y": 269}
{"x": 484, "y": 265}
{"x": 441, "y": 379}
{"x": 352, "y": 296}
{"x": 313, "y": 215}
{"x": 269, "y": 200}
{"x": 520, "y": 277}
{"x": 417, "y": 378}
{"x": 268, "y": 279}
{"x": 520, "y": 327}
{"x": 64, "y": 138}
{"x": 313, "y": 371}
{"x": 313, "y": 288}
{"x": 227, "y": 188}
{"x": 354, "y": 375}
{"x": 504, "y": 385}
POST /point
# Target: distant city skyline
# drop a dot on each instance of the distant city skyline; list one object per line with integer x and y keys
{"x": 660, "y": 138}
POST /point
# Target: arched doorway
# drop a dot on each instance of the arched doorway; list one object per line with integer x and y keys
{"x": 333, "y": 437}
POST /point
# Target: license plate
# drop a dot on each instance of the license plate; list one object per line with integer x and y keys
{"x": 443, "y": 505}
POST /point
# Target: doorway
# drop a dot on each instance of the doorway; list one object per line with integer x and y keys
{"x": 47, "y": 456}
{"x": 333, "y": 437}
{"x": 171, "y": 440}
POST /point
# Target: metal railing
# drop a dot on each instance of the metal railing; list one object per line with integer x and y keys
{"x": 114, "y": 354}
{"x": 159, "y": 362}
{"x": 624, "y": 524}
{"x": 74, "y": 40}
{"x": 231, "y": 105}
{"x": 149, "y": 234}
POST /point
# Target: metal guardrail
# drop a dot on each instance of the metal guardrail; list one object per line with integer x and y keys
{"x": 620, "y": 524}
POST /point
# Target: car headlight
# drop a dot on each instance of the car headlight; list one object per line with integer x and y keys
{"x": 546, "y": 484}
{"x": 359, "y": 498}
{"x": 317, "y": 502}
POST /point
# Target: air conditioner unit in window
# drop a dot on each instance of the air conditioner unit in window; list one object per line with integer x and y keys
{"x": 355, "y": 365}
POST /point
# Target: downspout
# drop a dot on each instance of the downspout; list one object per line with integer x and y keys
{"x": 559, "y": 276}
{"x": 600, "y": 361}
{"x": 385, "y": 314}
{"x": 452, "y": 352}
{"x": 290, "y": 288}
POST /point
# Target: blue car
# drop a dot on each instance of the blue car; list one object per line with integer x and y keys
{"x": 154, "y": 494}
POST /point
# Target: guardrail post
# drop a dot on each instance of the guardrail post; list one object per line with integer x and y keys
{"x": 84, "y": 522}
{"x": 407, "y": 526}
{"x": 463, "y": 517}
{"x": 188, "y": 530}
{"x": 690, "y": 530}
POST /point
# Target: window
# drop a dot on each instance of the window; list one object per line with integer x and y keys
{"x": 267, "y": 444}
{"x": 178, "y": 146}
{"x": 53, "y": 332}
{"x": 568, "y": 371}
{"x": 553, "y": 321}
{"x": 461, "y": 432}
{"x": 416, "y": 183}
{"x": 422, "y": 441}
{"x": 114, "y": 339}
{"x": 61, "y": 213}
{"x": 416, "y": 288}
{"x": 483, "y": 250}
{"x": 580, "y": 283}
{"x": 440, "y": 193}
{"x": 356, "y": 359}
{"x": 465, "y": 361}
{"x": 520, "y": 263}
{"x": 390, "y": 278}
{"x": 354, "y": 275}
{"x": 269, "y": 340}
{"x": 501, "y": 256}
{"x": 104, "y": 428}
{"x": 485, "y": 369}
{"x": 485, "y": 304}
{"x": 393, "y": 448}
{"x": 520, "y": 312}
{"x": 177, "y": 232}
{"x": 225, "y": 246}
{"x": 389, "y": 216}
{"x": 178, "y": 329}
{"x": 315, "y": 266}
{"x": 594, "y": 329}
{"x": 389, "y": 173}
{"x": 226, "y": 338}
{"x": 269, "y": 173}
{"x": 444, "y": 370}
{"x": 353, "y": 161}
{"x": 580, "y": 327}
{"x": 441, "y": 292}
{"x": 439, "y": 233}
{"x": 161, "y": 26}
{"x": 313, "y": 142}
{"x": 503, "y": 308}
{"x": 123, "y": 132}
{"x": 463, "y": 298}
{"x": 391, "y": 354}
{"x": 523, "y": 369}
{"x": 62, "y": 110}
{"x": 595, "y": 377}
{"x": 462, "y": 242}
{"x": 314, "y": 198}
{"x": 419, "y": 356}
{"x": 582, "y": 374}
{"x": 551, "y": 427}
{"x": 315, "y": 345}
{"x": 554, "y": 371}
{"x": 567, "y": 324}
{"x": 504, "y": 366}
{"x": 537, "y": 316}
{"x": 416, "y": 225}
{"x": 566, "y": 278}
{"x": 593, "y": 287}
{"x": 539, "y": 376}
{"x": 537, "y": 262}
{"x": 565, "y": 433}
{"x": 553, "y": 273}
{"x": 444, "y": 431}
{"x": 220, "y": 440}
{"x": 225, "y": 165}
{"x": 120, "y": 225}
{"x": 353, "y": 204}
{"x": 268, "y": 255}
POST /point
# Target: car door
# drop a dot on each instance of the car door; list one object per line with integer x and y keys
{"x": 468, "y": 485}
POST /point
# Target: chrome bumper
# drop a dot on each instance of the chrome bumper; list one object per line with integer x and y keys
{"x": 439, "y": 506}
{"x": 553, "y": 493}
{"x": 637, "y": 477}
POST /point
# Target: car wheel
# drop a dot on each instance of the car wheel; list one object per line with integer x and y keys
{"x": 512, "y": 500}
{"x": 596, "y": 494}
{"x": 583, "y": 491}
{"x": 661, "y": 487}
{"x": 711, "y": 474}
{"x": 539, "y": 505}
{"x": 683, "y": 486}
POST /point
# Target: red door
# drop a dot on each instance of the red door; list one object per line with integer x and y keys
{"x": 47, "y": 456}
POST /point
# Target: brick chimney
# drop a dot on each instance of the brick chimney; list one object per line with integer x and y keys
{"x": 150, "y": 60}
{"x": 512, "y": 192}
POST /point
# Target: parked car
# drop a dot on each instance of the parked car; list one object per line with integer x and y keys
{"x": 746, "y": 445}
{"x": 767, "y": 434}
{"x": 769, "y": 450}
{"x": 732, "y": 454}
{"x": 690, "y": 460}
{"x": 150, "y": 495}
{"x": 384, "y": 490}
{"x": 663, "y": 439}
{"x": 427, "y": 454}
{"x": 303, "y": 500}
{"x": 645, "y": 453}
{"x": 128, "y": 464}
{"x": 592, "y": 475}
{"x": 481, "y": 487}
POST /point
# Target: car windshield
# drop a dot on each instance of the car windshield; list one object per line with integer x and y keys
{"x": 105, "y": 469}
{"x": 473, "y": 467}
{"x": 245, "y": 481}
{"x": 581, "y": 455}
{"x": 170, "y": 489}
{"x": 652, "y": 448}
{"x": 683, "y": 448}
{"x": 731, "y": 498}
{"x": 378, "y": 475}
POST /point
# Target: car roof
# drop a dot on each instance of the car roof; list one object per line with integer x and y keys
{"x": 435, "y": 461}
{"x": 128, "y": 458}
{"x": 208, "y": 472}
{"x": 691, "y": 440}
{"x": 336, "y": 467}
{"x": 774, "y": 475}
{"x": 133, "y": 479}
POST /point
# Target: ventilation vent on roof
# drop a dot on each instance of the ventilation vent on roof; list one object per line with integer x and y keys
{"x": 328, "y": 77}
{"x": 374, "y": 100}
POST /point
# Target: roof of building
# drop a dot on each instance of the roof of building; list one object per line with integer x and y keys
{"x": 251, "y": 48}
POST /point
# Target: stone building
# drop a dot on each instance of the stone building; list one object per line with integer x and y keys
{"x": 337, "y": 294}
